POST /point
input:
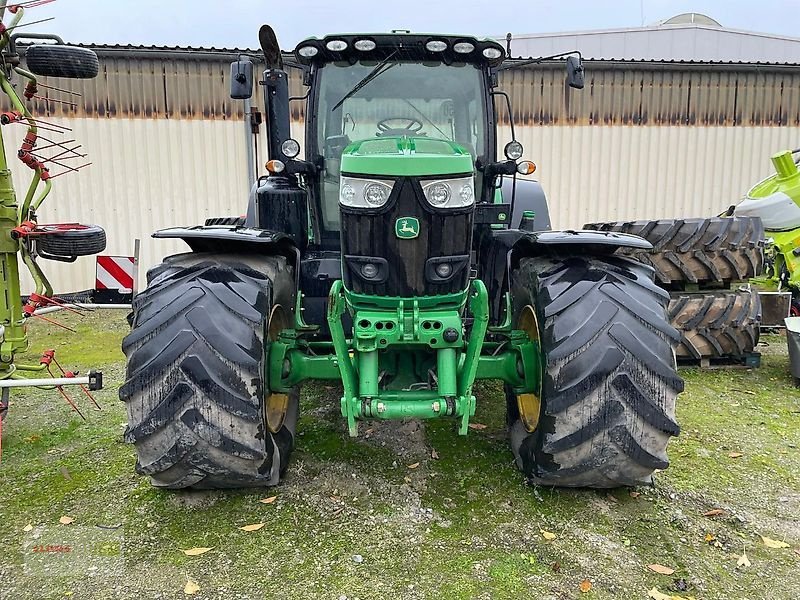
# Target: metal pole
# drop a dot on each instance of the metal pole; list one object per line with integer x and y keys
{"x": 248, "y": 130}
{"x": 52, "y": 309}
{"x": 136, "y": 247}
{"x": 45, "y": 381}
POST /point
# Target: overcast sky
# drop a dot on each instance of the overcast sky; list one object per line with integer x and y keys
{"x": 235, "y": 23}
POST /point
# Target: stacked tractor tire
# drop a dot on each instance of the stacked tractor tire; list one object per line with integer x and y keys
{"x": 705, "y": 265}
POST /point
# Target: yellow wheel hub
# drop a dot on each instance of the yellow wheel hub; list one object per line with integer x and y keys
{"x": 276, "y": 405}
{"x": 529, "y": 405}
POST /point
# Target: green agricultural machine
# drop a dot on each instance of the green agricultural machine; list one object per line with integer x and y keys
{"x": 23, "y": 238}
{"x": 402, "y": 258}
{"x": 776, "y": 201}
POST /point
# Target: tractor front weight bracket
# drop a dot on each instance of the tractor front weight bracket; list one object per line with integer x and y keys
{"x": 423, "y": 351}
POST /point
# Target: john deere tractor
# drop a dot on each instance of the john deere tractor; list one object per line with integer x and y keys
{"x": 403, "y": 258}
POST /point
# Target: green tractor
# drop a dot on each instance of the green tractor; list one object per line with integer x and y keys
{"x": 401, "y": 257}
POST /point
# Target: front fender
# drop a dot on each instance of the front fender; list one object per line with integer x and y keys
{"x": 222, "y": 238}
{"x": 500, "y": 250}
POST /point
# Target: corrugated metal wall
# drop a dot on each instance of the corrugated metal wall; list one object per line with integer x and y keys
{"x": 642, "y": 140}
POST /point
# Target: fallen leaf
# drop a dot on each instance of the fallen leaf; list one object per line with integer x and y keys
{"x": 770, "y": 543}
{"x": 710, "y": 537}
{"x": 414, "y": 466}
{"x": 743, "y": 560}
{"x": 548, "y": 535}
{"x": 253, "y": 527}
{"x": 191, "y": 588}
{"x": 434, "y": 454}
{"x": 585, "y": 586}
{"x": 735, "y": 455}
{"x": 634, "y": 494}
{"x": 269, "y": 500}
{"x": 714, "y": 512}
{"x": 65, "y": 520}
{"x": 656, "y": 595}
{"x": 661, "y": 569}
{"x": 196, "y": 551}
{"x": 477, "y": 426}
{"x": 27, "y": 527}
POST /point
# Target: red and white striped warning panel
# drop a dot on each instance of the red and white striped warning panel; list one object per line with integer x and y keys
{"x": 115, "y": 273}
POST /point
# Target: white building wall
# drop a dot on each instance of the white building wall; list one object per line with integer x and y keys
{"x": 152, "y": 174}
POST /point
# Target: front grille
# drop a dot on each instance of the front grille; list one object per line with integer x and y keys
{"x": 371, "y": 233}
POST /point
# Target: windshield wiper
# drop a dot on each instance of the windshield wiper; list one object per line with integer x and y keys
{"x": 378, "y": 70}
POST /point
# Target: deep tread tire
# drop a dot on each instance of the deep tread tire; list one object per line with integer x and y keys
{"x": 56, "y": 60}
{"x": 716, "y": 324}
{"x": 609, "y": 375}
{"x": 195, "y": 385}
{"x": 73, "y": 242}
{"x": 704, "y": 252}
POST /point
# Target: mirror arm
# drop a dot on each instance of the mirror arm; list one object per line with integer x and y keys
{"x": 535, "y": 61}
{"x": 510, "y": 114}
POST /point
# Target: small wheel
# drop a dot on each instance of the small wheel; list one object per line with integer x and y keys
{"x": 55, "y": 60}
{"x": 412, "y": 126}
{"x": 70, "y": 240}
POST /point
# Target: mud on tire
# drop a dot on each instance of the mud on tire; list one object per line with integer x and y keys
{"x": 704, "y": 252}
{"x": 716, "y": 324}
{"x": 609, "y": 376}
{"x": 195, "y": 387}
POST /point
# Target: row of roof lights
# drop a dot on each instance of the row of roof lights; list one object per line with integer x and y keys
{"x": 367, "y": 45}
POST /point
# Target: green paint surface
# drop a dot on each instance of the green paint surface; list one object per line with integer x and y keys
{"x": 405, "y": 156}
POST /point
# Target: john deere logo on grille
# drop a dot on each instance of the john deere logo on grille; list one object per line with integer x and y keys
{"x": 406, "y": 228}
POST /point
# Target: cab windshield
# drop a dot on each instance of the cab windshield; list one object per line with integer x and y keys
{"x": 433, "y": 100}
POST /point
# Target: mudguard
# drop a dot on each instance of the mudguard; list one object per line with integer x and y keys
{"x": 220, "y": 238}
{"x": 528, "y": 195}
{"x": 499, "y": 251}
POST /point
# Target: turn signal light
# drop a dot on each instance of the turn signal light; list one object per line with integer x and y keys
{"x": 526, "y": 167}
{"x": 275, "y": 166}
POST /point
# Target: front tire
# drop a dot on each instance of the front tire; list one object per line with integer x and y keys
{"x": 196, "y": 388}
{"x": 607, "y": 406}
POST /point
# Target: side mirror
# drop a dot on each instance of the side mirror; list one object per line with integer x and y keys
{"x": 575, "y": 72}
{"x": 241, "y": 79}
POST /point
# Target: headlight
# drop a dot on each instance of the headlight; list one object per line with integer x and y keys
{"x": 364, "y": 193}
{"x": 450, "y": 193}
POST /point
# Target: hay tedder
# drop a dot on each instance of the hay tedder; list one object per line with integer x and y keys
{"x": 22, "y": 237}
{"x": 403, "y": 258}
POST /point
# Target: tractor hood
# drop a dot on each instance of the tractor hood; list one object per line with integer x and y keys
{"x": 405, "y": 156}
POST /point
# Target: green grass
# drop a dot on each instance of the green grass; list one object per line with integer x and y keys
{"x": 463, "y": 525}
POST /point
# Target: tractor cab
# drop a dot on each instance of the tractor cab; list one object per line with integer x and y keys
{"x": 395, "y": 105}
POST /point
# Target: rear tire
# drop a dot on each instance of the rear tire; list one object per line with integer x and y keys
{"x": 716, "y": 324}
{"x": 705, "y": 252}
{"x": 609, "y": 376}
{"x": 195, "y": 390}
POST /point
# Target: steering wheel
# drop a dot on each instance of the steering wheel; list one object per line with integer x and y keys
{"x": 412, "y": 127}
